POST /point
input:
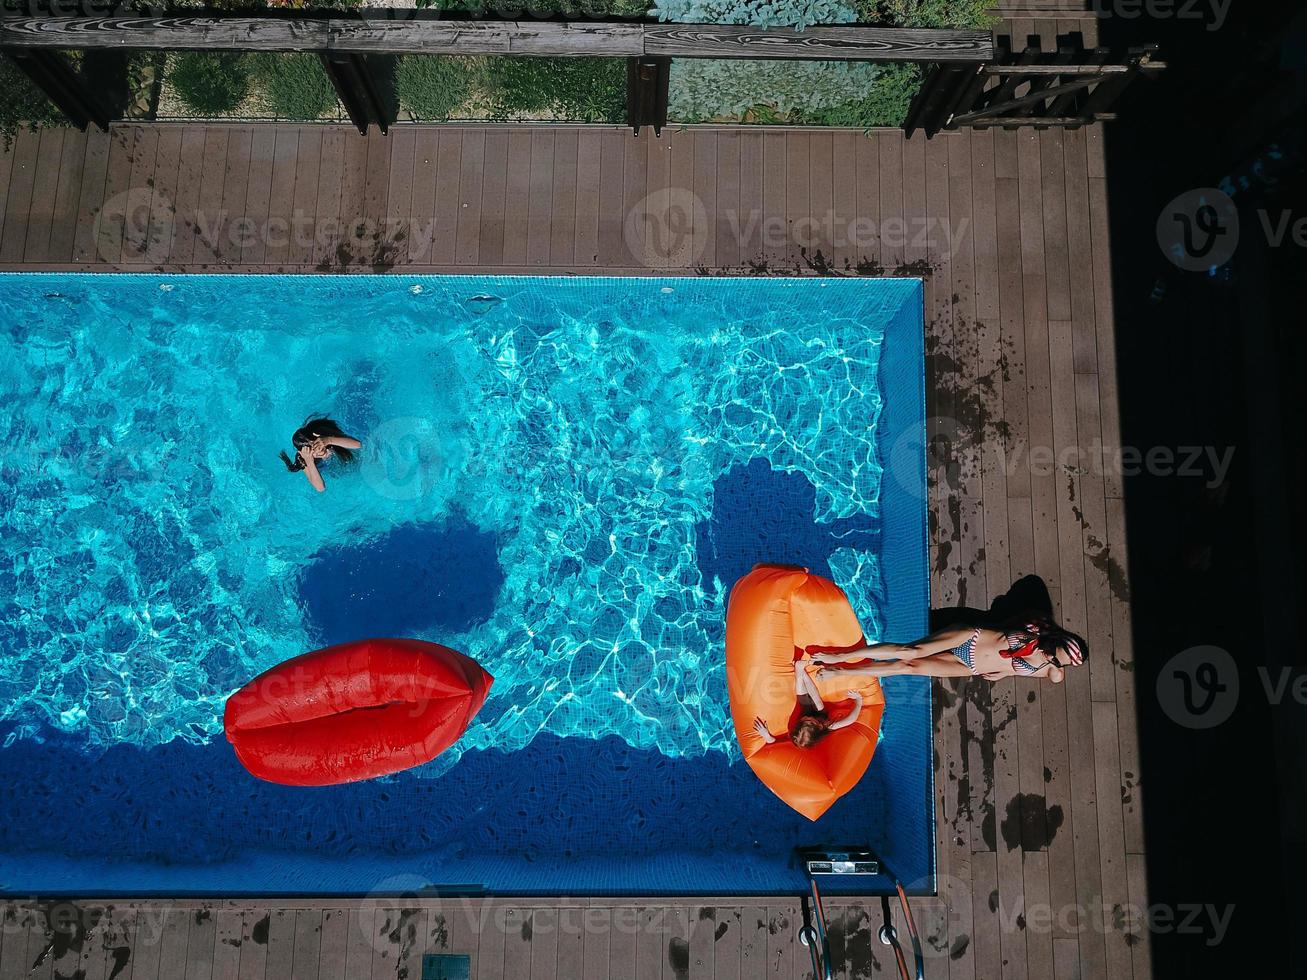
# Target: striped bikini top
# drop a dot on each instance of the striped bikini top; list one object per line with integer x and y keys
{"x": 1017, "y": 653}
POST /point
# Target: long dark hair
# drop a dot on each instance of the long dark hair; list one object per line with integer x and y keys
{"x": 1049, "y": 638}
{"x": 315, "y": 429}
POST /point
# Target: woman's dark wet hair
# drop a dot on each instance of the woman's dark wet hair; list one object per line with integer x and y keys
{"x": 1049, "y": 638}
{"x": 315, "y": 428}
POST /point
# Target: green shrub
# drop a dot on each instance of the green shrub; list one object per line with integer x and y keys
{"x": 886, "y": 104}
{"x": 580, "y": 89}
{"x": 21, "y": 103}
{"x": 515, "y": 9}
{"x": 702, "y": 89}
{"x": 210, "y": 83}
{"x": 434, "y": 87}
{"x": 927, "y": 13}
{"x": 759, "y": 13}
{"x": 295, "y": 85}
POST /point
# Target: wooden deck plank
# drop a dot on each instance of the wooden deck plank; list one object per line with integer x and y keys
{"x": 235, "y": 184}
{"x": 650, "y": 944}
{"x": 562, "y": 217}
{"x": 45, "y": 185}
{"x": 494, "y": 190}
{"x": 229, "y": 931}
{"x": 623, "y": 943}
{"x": 544, "y": 945}
{"x": 704, "y": 188}
{"x": 18, "y": 205}
{"x": 679, "y": 251}
{"x": 818, "y": 251}
{"x": 91, "y": 197}
{"x": 258, "y": 195}
{"x": 749, "y": 226}
{"x": 306, "y": 949}
{"x": 727, "y": 244}
{"x": 517, "y": 197}
{"x": 571, "y": 944}
{"x": 190, "y": 183}
{"x": 703, "y": 931}
{"x": 589, "y": 175}
{"x": 328, "y": 217}
{"x": 303, "y": 205}
{"x": 200, "y": 940}
{"x": 517, "y": 942}
{"x": 612, "y": 249}
{"x": 488, "y": 964}
{"x": 798, "y": 190}
{"x": 174, "y": 940}
{"x": 207, "y": 218}
{"x": 865, "y": 218}
{"x": 540, "y": 205}
{"x": 333, "y": 944}
{"x": 774, "y": 231}
{"x": 281, "y": 196}
{"x": 398, "y": 228}
{"x": 162, "y": 234}
{"x": 472, "y": 162}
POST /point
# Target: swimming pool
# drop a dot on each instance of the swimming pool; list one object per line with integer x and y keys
{"x": 560, "y": 476}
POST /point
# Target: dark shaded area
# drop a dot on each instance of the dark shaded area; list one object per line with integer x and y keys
{"x": 1027, "y": 594}
{"x": 415, "y": 579}
{"x": 540, "y": 809}
{"x": 1209, "y": 359}
{"x": 760, "y": 514}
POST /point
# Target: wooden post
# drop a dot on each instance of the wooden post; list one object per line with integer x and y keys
{"x": 647, "y": 84}
{"x": 53, "y": 75}
{"x": 357, "y": 89}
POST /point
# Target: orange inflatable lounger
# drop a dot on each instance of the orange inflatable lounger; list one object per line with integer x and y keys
{"x": 775, "y": 615}
{"x": 354, "y": 711}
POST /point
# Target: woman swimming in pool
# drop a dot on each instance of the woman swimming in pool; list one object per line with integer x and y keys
{"x": 813, "y": 724}
{"x": 319, "y": 439}
{"x": 1033, "y": 646}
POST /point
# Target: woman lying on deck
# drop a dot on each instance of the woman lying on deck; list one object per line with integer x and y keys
{"x": 319, "y": 439}
{"x": 1035, "y": 647}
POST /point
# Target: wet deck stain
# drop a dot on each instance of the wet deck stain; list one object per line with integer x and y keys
{"x": 121, "y": 957}
{"x": 1030, "y": 824}
{"x": 439, "y": 931}
{"x": 202, "y": 916}
{"x": 722, "y": 929}
{"x": 959, "y": 947}
{"x": 260, "y": 931}
{"x": 678, "y": 957}
{"x": 526, "y": 930}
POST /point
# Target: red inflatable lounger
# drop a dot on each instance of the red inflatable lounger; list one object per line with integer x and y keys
{"x": 354, "y": 711}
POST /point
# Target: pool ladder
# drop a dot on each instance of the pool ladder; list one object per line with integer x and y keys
{"x": 813, "y": 931}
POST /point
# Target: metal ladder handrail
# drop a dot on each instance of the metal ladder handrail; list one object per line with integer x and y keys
{"x": 813, "y": 935}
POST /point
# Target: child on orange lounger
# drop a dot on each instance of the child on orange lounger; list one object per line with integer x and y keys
{"x": 813, "y": 723}
{"x": 1034, "y": 647}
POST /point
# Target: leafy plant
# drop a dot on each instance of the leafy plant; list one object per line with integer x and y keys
{"x": 514, "y": 9}
{"x": 21, "y": 103}
{"x": 704, "y": 89}
{"x": 210, "y": 83}
{"x": 886, "y": 104}
{"x": 296, "y": 86}
{"x": 436, "y": 86}
{"x": 759, "y": 13}
{"x": 927, "y": 13}
{"x": 582, "y": 89}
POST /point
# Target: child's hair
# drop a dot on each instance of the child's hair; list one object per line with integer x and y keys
{"x": 305, "y": 434}
{"x": 1049, "y": 638}
{"x": 808, "y": 731}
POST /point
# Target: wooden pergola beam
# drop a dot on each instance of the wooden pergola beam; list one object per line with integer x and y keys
{"x": 53, "y": 75}
{"x": 531, "y": 38}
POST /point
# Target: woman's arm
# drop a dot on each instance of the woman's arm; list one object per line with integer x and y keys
{"x": 311, "y": 470}
{"x": 344, "y": 442}
{"x": 852, "y": 716}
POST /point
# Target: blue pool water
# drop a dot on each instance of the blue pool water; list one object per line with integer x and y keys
{"x": 561, "y": 477}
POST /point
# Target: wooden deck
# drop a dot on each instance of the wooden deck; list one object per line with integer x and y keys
{"x": 1039, "y": 825}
